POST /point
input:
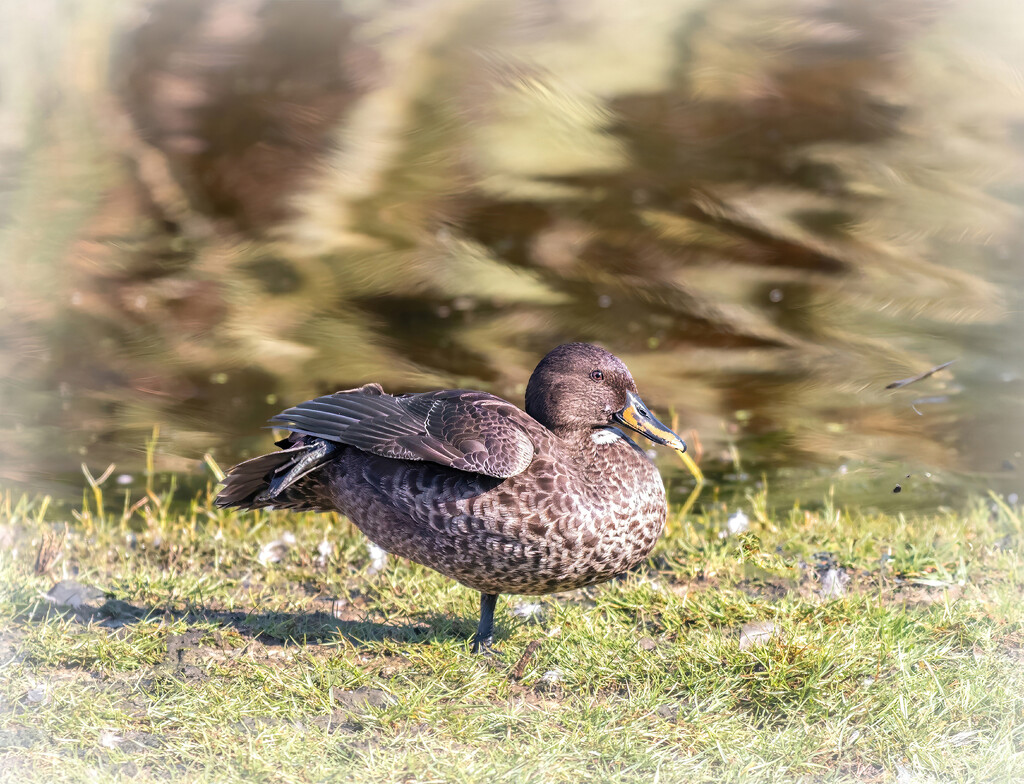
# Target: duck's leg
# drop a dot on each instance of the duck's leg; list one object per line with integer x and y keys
{"x": 484, "y": 638}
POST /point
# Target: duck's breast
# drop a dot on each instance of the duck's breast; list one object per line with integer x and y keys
{"x": 627, "y": 498}
{"x": 579, "y": 520}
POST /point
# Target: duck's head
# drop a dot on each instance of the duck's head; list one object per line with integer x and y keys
{"x": 578, "y": 387}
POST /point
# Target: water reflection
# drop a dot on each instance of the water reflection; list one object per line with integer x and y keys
{"x": 770, "y": 210}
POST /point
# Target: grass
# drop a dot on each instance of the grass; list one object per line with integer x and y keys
{"x": 207, "y": 661}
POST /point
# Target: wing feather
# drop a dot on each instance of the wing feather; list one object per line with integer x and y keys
{"x": 470, "y": 431}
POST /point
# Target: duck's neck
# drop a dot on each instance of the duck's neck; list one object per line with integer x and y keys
{"x": 576, "y": 439}
{"x": 595, "y": 444}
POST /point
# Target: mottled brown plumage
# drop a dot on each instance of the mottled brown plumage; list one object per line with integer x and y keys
{"x": 502, "y": 500}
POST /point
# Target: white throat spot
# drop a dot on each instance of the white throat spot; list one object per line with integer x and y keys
{"x": 605, "y": 435}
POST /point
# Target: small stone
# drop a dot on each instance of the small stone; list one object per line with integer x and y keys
{"x": 667, "y": 712}
{"x": 71, "y": 593}
{"x": 362, "y": 698}
{"x": 757, "y": 633}
{"x": 833, "y": 583}
{"x": 275, "y": 552}
{"x": 324, "y": 552}
{"x": 110, "y": 739}
{"x": 737, "y": 524}
{"x": 551, "y": 678}
{"x": 529, "y": 611}
{"x": 378, "y": 559}
{"x": 272, "y": 552}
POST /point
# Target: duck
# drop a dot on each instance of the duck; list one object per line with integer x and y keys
{"x": 504, "y": 501}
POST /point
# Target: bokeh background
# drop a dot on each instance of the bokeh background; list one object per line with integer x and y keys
{"x": 210, "y": 209}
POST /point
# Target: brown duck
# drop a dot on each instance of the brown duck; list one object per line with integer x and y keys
{"x": 466, "y": 483}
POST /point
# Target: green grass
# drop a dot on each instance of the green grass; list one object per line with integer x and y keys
{"x": 213, "y": 666}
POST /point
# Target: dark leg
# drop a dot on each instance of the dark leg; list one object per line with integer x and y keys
{"x": 485, "y": 631}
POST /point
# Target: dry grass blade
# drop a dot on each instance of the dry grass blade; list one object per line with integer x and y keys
{"x": 51, "y": 548}
{"x": 520, "y": 669}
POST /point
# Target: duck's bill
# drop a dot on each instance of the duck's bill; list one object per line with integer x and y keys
{"x": 636, "y": 417}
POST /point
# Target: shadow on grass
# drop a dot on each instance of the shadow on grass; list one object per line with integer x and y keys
{"x": 86, "y": 605}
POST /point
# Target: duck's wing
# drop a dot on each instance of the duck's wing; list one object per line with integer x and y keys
{"x": 467, "y": 430}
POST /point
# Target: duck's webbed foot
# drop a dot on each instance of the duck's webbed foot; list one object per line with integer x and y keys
{"x": 484, "y": 647}
{"x": 483, "y": 640}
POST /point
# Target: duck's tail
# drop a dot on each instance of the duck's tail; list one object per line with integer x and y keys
{"x": 274, "y": 480}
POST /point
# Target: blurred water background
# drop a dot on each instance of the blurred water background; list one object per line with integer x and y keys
{"x": 771, "y": 209}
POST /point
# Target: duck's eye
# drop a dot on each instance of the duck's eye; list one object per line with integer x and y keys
{"x": 596, "y": 375}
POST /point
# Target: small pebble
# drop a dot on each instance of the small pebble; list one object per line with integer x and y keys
{"x": 273, "y": 552}
{"x": 378, "y": 559}
{"x": 833, "y": 583}
{"x": 324, "y": 551}
{"x": 551, "y": 677}
{"x": 757, "y": 633}
{"x": 527, "y": 610}
{"x": 737, "y": 524}
{"x": 667, "y": 712}
{"x": 73, "y": 594}
{"x": 110, "y": 739}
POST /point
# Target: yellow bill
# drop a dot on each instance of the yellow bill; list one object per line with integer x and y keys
{"x": 636, "y": 417}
